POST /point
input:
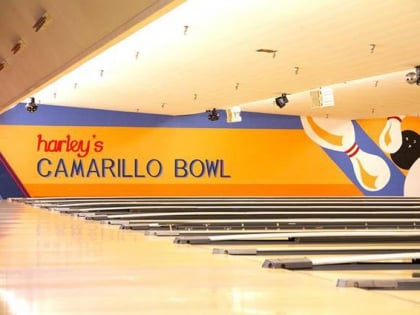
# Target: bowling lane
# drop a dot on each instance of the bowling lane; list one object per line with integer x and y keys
{"x": 333, "y": 275}
{"x": 56, "y": 264}
{"x": 80, "y": 203}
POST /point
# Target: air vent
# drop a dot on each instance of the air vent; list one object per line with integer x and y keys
{"x": 2, "y": 64}
{"x": 17, "y": 47}
{"x": 42, "y": 22}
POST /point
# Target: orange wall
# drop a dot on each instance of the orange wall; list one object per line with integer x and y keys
{"x": 255, "y": 162}
{"x": 77, "y": 152}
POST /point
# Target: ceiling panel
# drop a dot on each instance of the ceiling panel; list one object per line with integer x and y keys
{"x": 203, "y": 54}
{"x": 77, "y": 29}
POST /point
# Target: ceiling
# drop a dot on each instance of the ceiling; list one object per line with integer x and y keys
{"x": 179, "y": 58}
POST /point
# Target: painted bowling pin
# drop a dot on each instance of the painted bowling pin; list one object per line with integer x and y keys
{"x": 371, "y": 171}
{"x": 390, "y": 139}
{"x": 412, "y": 181}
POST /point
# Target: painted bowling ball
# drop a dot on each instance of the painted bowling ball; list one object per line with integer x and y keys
{"x": 409, "y": 151}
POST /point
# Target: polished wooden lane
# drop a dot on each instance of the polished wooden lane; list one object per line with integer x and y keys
{"x": 53, "y": 264}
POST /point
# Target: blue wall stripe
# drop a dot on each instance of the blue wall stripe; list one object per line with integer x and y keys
{"x": 10, "y": 185}
{"x": 49, "y": 115}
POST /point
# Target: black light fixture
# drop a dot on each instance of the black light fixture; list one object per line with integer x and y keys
{"x": 213, "y": 114}
{"x": 282, "y": 100}
{"x": 31, "y": 107}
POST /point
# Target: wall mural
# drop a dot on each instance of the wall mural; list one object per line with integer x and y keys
{"x": 404, "y": 148}
{"x": 62, "y": 151}
{"x": 371, "y": 170}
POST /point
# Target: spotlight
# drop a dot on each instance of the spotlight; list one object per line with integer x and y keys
{"x": 282, "y": 100}
{"x": 413, "y": 77}
{"x": 213, "y": 114}
{"x": 31, "y": 107}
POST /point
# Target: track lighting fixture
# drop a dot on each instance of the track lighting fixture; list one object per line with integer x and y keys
{"x": 213, "y": 114}
{"x": 31, "y": 107}
{"x": 282, "y": 100}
